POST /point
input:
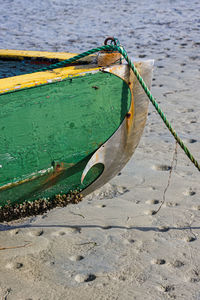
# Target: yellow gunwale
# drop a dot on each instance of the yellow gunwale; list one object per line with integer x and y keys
{"x": 21, "y": 54}
{"x": 38, "y": 78}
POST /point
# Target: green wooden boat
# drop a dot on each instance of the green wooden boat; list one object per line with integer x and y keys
{"x": 72, "y": 128}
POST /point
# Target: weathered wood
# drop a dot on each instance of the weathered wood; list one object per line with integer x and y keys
{"x": 22, "y": 54}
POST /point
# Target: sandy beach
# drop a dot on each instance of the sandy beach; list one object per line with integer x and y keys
{"x": 114, "y": 244}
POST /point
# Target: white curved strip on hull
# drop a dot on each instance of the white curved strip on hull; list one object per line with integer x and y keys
{"x": 116, "y": 152}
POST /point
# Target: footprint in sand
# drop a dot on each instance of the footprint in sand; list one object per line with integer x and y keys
{"x": 38, "y": 232}
{"x": 153, "y": 201}
{"x": 189, "y": 192}
{"x": 189, "y": 239}
{"x": 84, "y": 278}
{"x": 61, "y": 233}
{"x": 76, "y": 257}
{"x": 191, "y": 122}
{"x": 166, "y": 288}
{"x": 196, "y": 207}
{"x": 129, "y": 241}
{"x": 70, "y": 230}
{"x": 15, "y": 231}
{"x": 193, "y": 276}
{"x": 177, "y": 264}
{"x": 150, "y": 212}
{"x": 190, "y": 141}
{"x": 152, "y": 188}
{"x": 159, "y": 261}
{"x": 171, "y": 204}
{"x": 189, "y": 110}
{"x": 101, "y": 205}
{"x": 142, "y": 55}
{"x": 161, "y": 167}
{"x": 14, "y": 265}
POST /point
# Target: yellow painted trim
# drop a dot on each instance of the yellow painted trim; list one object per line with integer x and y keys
{"x": 21, "y": 54}
{"x": 30, "y": 80}
{"x": 34, "y": 79}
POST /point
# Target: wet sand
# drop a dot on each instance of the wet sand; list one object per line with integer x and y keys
{"x": 113, "y": 245}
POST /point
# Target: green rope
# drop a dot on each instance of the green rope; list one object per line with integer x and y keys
{"x": 158, "y": 109}
{"x": 77, "y": 57}
{"x": 142, "y": 83}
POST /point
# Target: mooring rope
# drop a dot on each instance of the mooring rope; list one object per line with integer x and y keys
{"x": 117, "y": 47}
{"x": 10, "y": 212}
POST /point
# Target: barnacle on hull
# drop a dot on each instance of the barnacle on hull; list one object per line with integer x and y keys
{"x": 11, "y": 212}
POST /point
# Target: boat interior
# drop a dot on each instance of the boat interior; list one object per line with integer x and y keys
{"x": 21, "y": 68}
{"x": 17, "y": 62}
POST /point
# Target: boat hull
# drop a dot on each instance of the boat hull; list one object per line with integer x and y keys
{"x": 49, "y": 133}
{"x": 68, "y": 129}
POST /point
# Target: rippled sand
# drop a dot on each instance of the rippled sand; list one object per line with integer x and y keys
{"x": 114, "y": 245}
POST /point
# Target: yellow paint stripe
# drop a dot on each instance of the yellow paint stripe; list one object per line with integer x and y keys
{"x": 21, "y": 54}
{"x": 30, "y": 80}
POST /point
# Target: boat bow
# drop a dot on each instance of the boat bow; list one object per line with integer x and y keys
{"x": 116, "y": 152}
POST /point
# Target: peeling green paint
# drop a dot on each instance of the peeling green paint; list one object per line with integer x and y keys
{"x": 62, "y": 122}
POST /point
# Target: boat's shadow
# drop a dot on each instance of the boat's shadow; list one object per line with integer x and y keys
{"x": 6, "y": 227}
